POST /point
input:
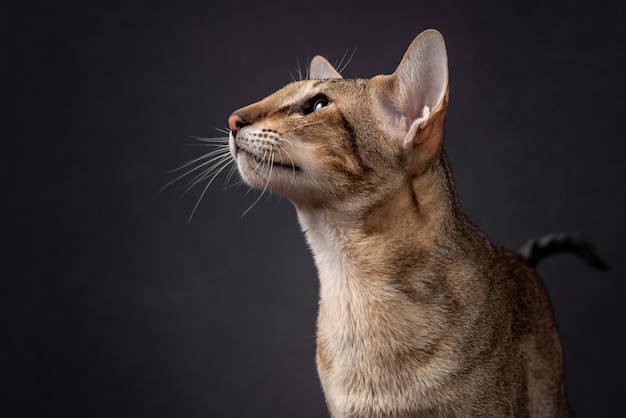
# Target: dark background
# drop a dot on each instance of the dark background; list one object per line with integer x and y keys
{"x": 112, "y": 305}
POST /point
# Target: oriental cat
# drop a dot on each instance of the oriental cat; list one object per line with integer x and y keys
{"x": 419, "y": 315}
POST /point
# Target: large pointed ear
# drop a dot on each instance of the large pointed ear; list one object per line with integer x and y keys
{"x": 414, "y": 98}
{"x": 321, "y": 69}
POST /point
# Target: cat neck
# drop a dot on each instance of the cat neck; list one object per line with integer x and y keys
{"x": 404, "y": 233}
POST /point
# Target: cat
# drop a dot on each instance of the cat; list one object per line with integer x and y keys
{"x": 419, "y": 314}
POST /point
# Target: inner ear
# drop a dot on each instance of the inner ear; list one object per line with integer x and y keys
{"x": 321, "y": 69}
{"x": 417, "y": 89}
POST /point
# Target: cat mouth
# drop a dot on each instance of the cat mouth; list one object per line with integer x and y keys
{"x": 267, "y": 160}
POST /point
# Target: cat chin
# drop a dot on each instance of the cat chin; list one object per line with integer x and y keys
{"x": 250, "y": 162}
{"x": 262, "y": 174}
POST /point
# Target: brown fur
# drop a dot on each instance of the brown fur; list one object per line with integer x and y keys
{"x": 420, "y": 316}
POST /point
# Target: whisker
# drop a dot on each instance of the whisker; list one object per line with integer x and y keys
{"x": 217, "y": 140}
{"x": 260, "y": 163}
{"x": 271, "y": 166}
{"x": 286, "y": 140}
{"x": 300, "y": 127}
{"x": 229, "y": 176}
{"x": 202, "y": 157}
{"x": 220, "y": 143}
{"x": 198, "y": 167}
{"x": 204, "y": 192}
{"x": 299, "y": 70}
{"x": 222, "y": 130}
{"x": 306, "y": 69}
{"x": 288, "y": 113}
{"x": 293, "y": 167}
{"x": 267, "y": 182}
{"x": 338, "y": 64}
{"x": 253, "y": 204}
{"x": 207, "y": 167}
{"x": 341, "y": 67}
{"x": 224, "y": 160}
{"x": 205, "y": 145}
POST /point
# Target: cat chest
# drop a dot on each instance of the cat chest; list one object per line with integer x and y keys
{"x": 371, "y": 356}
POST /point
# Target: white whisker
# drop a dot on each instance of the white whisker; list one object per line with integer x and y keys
{"x": 287, "y": 141}
{"x": 300, "y": 127}
{"x": 217, "y": 140}
{"x": 229, "y": 176}
{"x": 222, "y": 130}
{"x": 306, "y": 70}
{"x": 288, "y": 113}
{"x": 217, "y": 173}
{"x": 293, "y": 165}
{"x": 205, "y": 168}
{"x": 299, "y": 70}
{"x": 223, "y": 161}
{"x": 208, "y": 166}
{"x": 269, "y": 176}
{"x": 340, "y": 67}
{"x": 267, "y": 182}
{"x": 204, "y": 156}
{"x": 260, "y": 163}
{"x": 196, "y": 168}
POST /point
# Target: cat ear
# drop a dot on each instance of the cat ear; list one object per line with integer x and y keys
{"x": 414, "y": 98}
{"x": 321, "y": 69}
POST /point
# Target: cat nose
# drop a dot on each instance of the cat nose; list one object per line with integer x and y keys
{"x": 236, "y": 122}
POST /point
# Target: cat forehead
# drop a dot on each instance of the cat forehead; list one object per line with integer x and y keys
{"x": 304, "y": 89}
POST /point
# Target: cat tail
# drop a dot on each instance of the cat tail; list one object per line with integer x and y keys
{"x": 539, "y": 248}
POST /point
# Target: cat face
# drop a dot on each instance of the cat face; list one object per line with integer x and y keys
{"x": 330, "y": 140}
{"x": 313, "y": 141}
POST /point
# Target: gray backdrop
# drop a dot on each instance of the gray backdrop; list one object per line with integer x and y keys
{"x": 111, "y": 305}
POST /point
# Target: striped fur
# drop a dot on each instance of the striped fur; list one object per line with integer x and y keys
{"x": 419, "y": 316}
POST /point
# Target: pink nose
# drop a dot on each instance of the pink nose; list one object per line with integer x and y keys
{"x": 236, "y": 122}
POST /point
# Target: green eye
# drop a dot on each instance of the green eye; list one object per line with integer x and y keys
{"x": 316, "y": 103}
{"x": 320, "y": 103}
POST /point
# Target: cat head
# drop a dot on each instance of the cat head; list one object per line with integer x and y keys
{"x": 328, "y": 139}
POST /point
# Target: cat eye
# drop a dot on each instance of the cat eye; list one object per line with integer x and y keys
{"x": 316, "y": 103}
{"x": 320, "y": 103}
